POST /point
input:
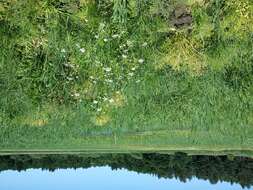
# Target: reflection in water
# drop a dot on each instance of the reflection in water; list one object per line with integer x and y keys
{"x": 215, "y": 169}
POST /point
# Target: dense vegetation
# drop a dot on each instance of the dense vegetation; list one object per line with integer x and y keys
{"x": 75, "y": 68}
{"x": 215, "y": 169}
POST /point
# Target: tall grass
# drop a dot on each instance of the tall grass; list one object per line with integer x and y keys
{"x": 72, "y": 69}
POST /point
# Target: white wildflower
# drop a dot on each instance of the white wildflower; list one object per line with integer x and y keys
{"x": 131, "y": 74}
{"x": 133, "y": 69}
{"x": 82, "y": 50}
{"x": 111, "y": 100}
{"x": 109, "y": 80}
{"x": 95, "y": 102}
{"x": 105, "y": 40}
{"x": 129, "y": 43}
{"x": 141, "y": 60}
{"x": 144, "y": 44}
{"x": 108, "y": 69}
{"x": 68, "y": 65}
{"x": 70, "y": 78}
{"x": 124, "y": 56}
{"x": 101, "y": 25}
{"x": 173, "y": 29}
{"x": 63, "y": 50}
{"x": 115, "y": 36}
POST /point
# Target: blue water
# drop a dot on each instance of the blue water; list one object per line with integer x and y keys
{"x": 99, "y": 178}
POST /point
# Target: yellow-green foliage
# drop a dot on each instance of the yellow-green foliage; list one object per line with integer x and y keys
{"x": 101, "y": 119}
{"x": 44, "y": 115}
{"x": 238, "y": 21}
{"x": 191, "y": 52}
{"x": 38, "y": 117}
{"x": 183, "y": 54}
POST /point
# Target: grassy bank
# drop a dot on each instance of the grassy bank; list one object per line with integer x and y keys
{"x": 80, "y": 73}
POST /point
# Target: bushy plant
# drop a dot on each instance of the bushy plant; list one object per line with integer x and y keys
{"x": 64, "y": 54}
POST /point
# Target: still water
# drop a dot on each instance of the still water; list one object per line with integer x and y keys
{"x": 125, "y": 171}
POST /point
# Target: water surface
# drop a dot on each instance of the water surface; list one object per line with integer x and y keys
{"x": 125, "y": 171}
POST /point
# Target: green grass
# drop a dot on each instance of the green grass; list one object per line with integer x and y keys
{"x": 71, "y": 77}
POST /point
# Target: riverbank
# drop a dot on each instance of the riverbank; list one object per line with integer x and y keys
{"x": 167, "y": 142}
{"x": 74, "y": 74}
